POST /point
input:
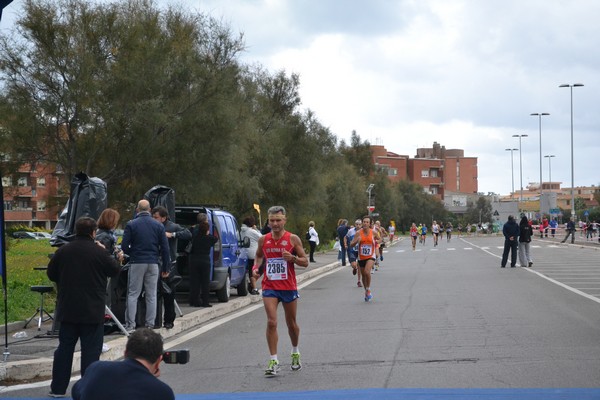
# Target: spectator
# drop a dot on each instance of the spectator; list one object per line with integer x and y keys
{"x": 313, "y": 241}
{"x": 80, "y": 269}
{"x": 525, "y": 234}
{"x": 144, "y": 240}
{"x": 342, "y": 230}
{"x": 133, "y": 378}
{"x": 511, "y": 232}
{"x": 202, "y": 243}
{"x": 249, "y": 231}
{"x": 570, "y": 228}
{"x": 173, "y": 232}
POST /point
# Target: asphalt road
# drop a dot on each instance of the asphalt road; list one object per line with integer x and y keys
{"x": 445, "y": 317}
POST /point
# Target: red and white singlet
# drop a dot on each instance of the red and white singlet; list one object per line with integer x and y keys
{"x": 279, "y": 274}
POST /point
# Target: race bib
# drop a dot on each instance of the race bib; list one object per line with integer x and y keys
{"x": 366, "y": 249}
{"x": 277, "y": 269}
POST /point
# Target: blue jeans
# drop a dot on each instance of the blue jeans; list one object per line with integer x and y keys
{"x": 145, "y": 275}
{"x": 91, "y": 336}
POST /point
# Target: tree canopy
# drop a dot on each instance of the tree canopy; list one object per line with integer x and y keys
{"x": 138, "y": 95}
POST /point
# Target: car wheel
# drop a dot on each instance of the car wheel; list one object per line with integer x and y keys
{"x": 242, "y": 288}
{"x": 224, "y": 293}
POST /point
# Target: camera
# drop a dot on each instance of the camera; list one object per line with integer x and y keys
{"x": 176, "y": 356}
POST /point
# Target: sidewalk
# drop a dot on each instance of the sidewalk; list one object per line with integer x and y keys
{"x": 30, "y": 358}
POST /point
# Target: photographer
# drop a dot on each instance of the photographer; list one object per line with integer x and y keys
{"x": 173, "y": 233}
{"x": 133, "y": 378}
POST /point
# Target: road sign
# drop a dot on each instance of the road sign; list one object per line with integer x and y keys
{"x": 586, "y": 213}
{"x": 554, "y": 210}
{"x": 370, "y": 208}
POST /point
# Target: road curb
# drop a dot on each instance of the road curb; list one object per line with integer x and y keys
{"x": 26, "y": 370}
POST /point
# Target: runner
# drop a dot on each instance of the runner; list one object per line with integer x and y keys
{"x": 367, "y": 253}
{"x": 435, "y": 230}
{"x": 448, "y": 231}
{"x": 353, "y": 251}
{"x": 420, "y": 232}
{"x": 380, "y": 235}
{"x": 281, "y": 250}
{"x": 423, "y": 233}
{"x": 413, "y": 235}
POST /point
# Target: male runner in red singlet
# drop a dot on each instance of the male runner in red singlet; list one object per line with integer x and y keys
{"x": 367, "y": 253}
{"x": 281, "y": 250}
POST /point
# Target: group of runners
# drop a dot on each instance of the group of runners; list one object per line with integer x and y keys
{"x": 420, "y": 232}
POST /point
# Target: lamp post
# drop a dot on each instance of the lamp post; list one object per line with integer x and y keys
{"x": 540, "y": 115}
{"x": 571, "y": 86}
{"x": 520, "y": 165}
{"x": 512, "y": 171}
{"x": 549, "y": 157}
{"x": 371, "y": 185}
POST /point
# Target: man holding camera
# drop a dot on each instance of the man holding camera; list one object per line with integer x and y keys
{"x": 133, "y": 378}
{"x": 173, "y": 232}
{"x": 80, "y": 269}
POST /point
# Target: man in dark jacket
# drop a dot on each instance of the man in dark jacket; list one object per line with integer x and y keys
{"x": 80, "y": 269}
{"x": 342, "y": 231}
{"x": 133, "y": 378}
{"x": 570, "y": 231}
{"x": 173, "y": 232}
{"x": 144, "y": 240}
{"x": 511, "y": 233}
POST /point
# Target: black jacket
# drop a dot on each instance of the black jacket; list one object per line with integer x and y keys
{"x": 526, "y": 233}
{"x": 116, "y": 380}
{"x": 80, "y": 269}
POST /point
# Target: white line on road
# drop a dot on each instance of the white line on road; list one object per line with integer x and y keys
{"x": 579, "y": 292}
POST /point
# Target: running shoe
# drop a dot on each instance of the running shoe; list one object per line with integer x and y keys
{"x": 368, "y": 296}
{"x": 296, "y": 365}
{"x": 273, "y": 368}
{"x": 354, "y": 271}
{"x": 358, "y": 284}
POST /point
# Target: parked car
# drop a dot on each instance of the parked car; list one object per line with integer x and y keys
{"x": 229, "y": 256}
{"x": 24, "y": 235}
{"x": 42, "y": 235}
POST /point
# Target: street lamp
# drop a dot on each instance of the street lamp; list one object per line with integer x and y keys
{"x": 520, "y": 165}
{"x": 369, "y": 191}
{"x": 572, "y": 158}
{"x": 549, "y": 157}
{"x": 540, "y": 115}
{"x": 512, "y": 171}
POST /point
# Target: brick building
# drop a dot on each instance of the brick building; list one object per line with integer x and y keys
{"x": 437, "y": 169}
{"x": 32, "y": 195}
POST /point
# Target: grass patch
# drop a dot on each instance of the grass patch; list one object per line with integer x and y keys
{"x": 22, "y": 255}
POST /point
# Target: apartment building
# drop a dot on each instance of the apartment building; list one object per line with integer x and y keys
{"x": 32, "y": 195}
{"x": 437, "y": 169}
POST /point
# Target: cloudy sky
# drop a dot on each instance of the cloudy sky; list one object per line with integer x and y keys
{"x": 464, "y": 73}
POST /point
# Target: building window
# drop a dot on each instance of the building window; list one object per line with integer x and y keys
{"x": 433, "y": 190}
{"x": 41, "y": 205}
{"x": 434, "y": 173}
{"x": 6, "y": 181}
{"x": 393, "y": 172}
{"x": 22, "y": 181}
{"x": 41, "y": 181}
{"x": 23, "y": 204}
{"x": 424, "y": 173}
{"x": 7, "y": 205}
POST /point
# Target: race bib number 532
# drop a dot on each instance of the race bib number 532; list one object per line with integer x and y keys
{"x": 277, "y": 269}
